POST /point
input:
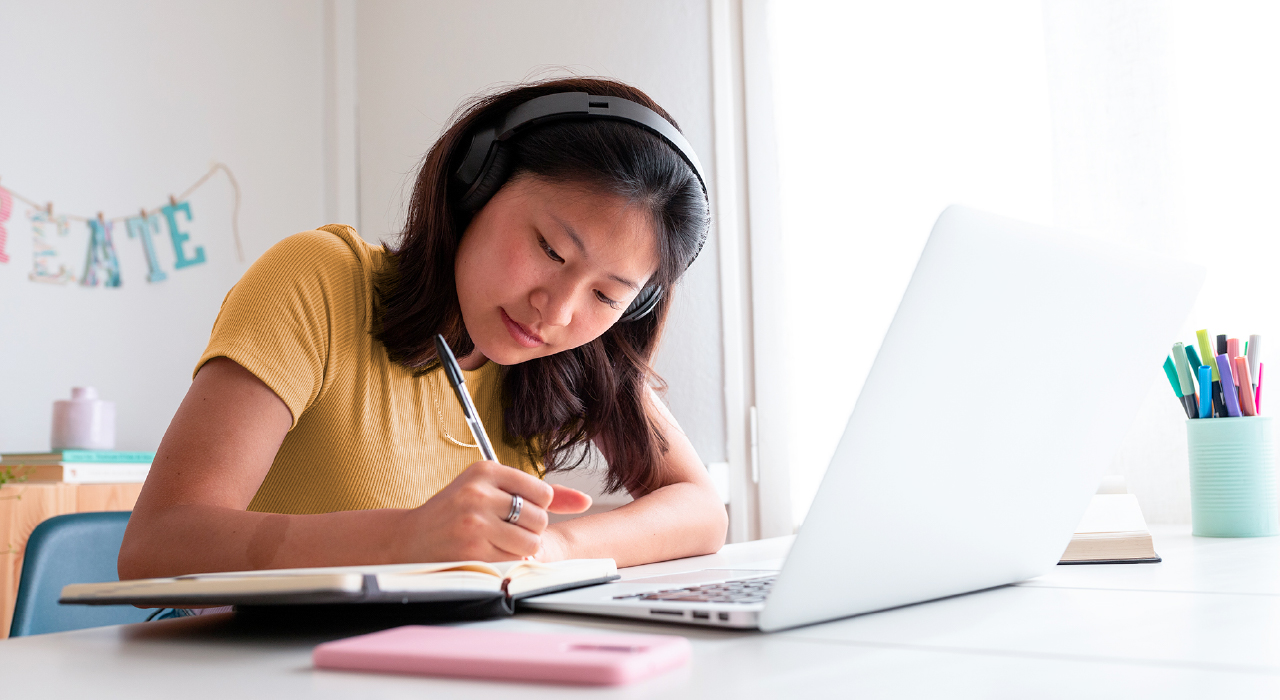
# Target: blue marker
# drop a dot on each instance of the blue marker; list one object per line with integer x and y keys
{"x": 1230, "y": 395}
{"x": 1206, "y": 381}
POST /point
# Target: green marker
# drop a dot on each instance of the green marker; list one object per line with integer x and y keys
{"x": 1202, "y": 339}
{"x": 1172, "y": 373}
{"x": 1184, "y": 380}
{"x": 1194, "y": 360}
{"x": 1215, "y": 391}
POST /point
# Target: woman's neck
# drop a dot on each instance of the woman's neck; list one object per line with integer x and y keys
{"x": 473, "y": 361}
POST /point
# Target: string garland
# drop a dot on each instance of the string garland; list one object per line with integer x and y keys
{"x": 100, "y": 246}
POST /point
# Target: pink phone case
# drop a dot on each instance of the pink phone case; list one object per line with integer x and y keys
{"x": 460, "y": 652}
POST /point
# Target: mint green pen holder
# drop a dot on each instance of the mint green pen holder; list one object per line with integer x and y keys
{"x": 1233, "y": 477}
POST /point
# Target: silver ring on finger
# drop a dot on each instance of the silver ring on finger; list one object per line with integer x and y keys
{"x": 517, "y": 502}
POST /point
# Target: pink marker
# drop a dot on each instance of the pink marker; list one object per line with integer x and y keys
{"x": 1257, "y": 397}
{"x": 1247, "y": 406}
{"x": 1233, "y": 349}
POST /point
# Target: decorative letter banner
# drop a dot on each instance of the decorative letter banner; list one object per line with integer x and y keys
{"x": 142, "y": 227}
{"x": 6, "y": 210}
{"x": 43, "y": 254}
{"x": 180, "y": 259}
{"x": 102, "y": 266}
{"x": 101, "y": 256}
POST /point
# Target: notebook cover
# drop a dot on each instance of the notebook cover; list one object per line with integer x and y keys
{"x": 397, "y": 612}
{"x": 1149, "y": 560}
{"x": 369, "y": 593}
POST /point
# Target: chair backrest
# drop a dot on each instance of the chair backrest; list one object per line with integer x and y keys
{"x": 75, "y": 548}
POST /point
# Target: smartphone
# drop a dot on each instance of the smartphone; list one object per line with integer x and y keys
{"x": 462, "y": 652}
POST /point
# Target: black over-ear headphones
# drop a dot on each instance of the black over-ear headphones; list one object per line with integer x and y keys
{"x": 486, "y": 165}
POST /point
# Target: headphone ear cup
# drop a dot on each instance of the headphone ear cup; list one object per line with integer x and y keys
{"x": 490, "y": 179}
{"x": 642, "y": 305}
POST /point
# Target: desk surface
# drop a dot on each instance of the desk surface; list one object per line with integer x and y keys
{"x": 1205, "y": 623}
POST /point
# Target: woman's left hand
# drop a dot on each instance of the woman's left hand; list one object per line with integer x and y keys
{"x": 555, "y": 547}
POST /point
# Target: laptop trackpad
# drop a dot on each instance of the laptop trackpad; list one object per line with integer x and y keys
{"x": 703, "y": 576}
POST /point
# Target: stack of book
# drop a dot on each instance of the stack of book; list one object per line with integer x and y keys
{"x": 1112, "y": 531}
{"x": 80, "y": 466}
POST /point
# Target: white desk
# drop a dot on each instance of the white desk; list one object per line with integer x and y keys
{"x": 1204, "y": 624}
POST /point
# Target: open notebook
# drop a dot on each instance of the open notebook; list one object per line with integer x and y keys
{"x": 503, "y": 582}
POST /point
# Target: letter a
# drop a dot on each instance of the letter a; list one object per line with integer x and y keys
{"x": 142, "y": 227}
{"x": 101, "y": 256}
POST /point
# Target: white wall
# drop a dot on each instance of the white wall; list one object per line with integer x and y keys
{"x": 110, "y": 107}
{"x": 417, "y": 61}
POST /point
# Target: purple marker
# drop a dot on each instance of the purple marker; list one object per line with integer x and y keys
{"x": 1230, "y": 395}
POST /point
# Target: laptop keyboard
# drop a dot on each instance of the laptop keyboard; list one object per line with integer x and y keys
{"x": 747, "y": 590}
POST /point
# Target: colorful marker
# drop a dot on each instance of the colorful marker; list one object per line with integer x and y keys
{"x": 1202, "y": 340}
{"x": 1230, "y": 396}
{"x": 1205, "y": 377}
{"x": 1206, "y": 351}
{"x": 1246, "y": 387}
{"x": 1257, "y": 398}
{"x": 1233, "y": 351}
{"x": 1184, "y": 380}
{"x": 1254, "y": 352}
{"x": 1215, "y": 390}
{"x": 1194, "y": 361}
{"x": 1222, "y": 349}
{"x": 1171, "y": 371}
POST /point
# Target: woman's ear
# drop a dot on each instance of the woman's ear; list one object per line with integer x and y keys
{"x": 489, "y": 181}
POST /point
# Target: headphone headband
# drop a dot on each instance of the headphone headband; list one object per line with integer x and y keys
{"x": 483, "y": 169}
{"x": 563, "y": 106}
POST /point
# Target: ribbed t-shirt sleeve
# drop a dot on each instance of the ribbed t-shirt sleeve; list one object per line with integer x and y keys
{"x": 280, "y": 320}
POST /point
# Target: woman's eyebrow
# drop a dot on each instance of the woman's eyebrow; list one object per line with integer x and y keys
{"x": 573, "y": 235}
{"x": 582, "y": 248}
{"x": 623, "y": 280}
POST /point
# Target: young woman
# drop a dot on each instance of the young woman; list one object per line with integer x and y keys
{"x": 320, "y": 430}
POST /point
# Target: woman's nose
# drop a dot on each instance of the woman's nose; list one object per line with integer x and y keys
{"x": 554, "y": 305}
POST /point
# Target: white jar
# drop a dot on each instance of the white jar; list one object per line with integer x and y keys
{"x": 84, "y": 423}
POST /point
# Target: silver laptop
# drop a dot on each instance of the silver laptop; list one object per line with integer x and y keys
{"x": 1012, "y": 369}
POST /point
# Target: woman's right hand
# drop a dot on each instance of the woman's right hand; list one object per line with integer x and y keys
{"x": 466, "y": 520}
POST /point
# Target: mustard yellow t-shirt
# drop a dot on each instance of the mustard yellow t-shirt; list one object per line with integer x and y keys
{"x": 366, "y": 433}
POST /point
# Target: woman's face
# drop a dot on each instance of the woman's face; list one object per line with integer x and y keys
{"x": 546, "y": 267}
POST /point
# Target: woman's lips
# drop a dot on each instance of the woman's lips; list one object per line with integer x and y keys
{"x": 522, "y": 335}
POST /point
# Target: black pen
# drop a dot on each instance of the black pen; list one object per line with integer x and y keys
{"x": 454, "y": 372}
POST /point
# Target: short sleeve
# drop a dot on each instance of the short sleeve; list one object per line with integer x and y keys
{"x": 281, "y": 319}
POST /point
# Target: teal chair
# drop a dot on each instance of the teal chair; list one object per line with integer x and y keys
{"x": 76, "y": 548}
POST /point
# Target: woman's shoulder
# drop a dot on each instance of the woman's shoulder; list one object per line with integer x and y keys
{"x": 333, "y": 248}
{"x": 308, "y": 272}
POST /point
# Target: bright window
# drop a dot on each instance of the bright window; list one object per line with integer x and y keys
{"x": 1152, "y": 123}
{"x": 887, "y": 113}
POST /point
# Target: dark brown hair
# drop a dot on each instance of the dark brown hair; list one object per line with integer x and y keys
{"x": 552, "y": 405}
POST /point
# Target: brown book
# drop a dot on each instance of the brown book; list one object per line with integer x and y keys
{"x": 84, "y": 472}
{"x": 1112, "y": 531}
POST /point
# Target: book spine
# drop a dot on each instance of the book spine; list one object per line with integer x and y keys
{"x": 86, "y": 473}
{"x": 77, "y": 456}
{"x": 106, "y": 456}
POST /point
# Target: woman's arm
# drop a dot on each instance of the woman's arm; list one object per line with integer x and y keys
{"x": 191, "y": 514}
{"x": 682, "y": 518}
